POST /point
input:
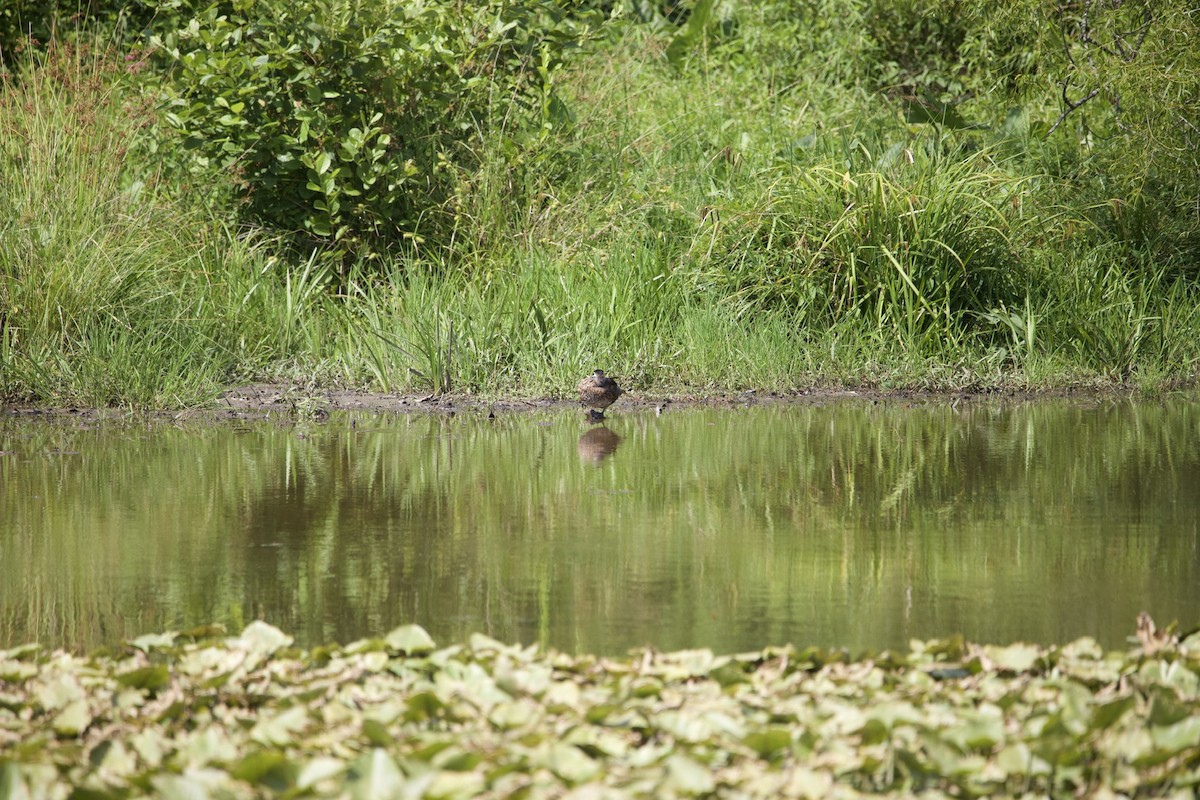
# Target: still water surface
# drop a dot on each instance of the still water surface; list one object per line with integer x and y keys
{"x": 848, "y": 524}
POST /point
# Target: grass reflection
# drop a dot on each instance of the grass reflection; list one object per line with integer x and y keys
{"x": 847, "y": 524}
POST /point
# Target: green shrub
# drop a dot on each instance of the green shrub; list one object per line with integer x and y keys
{"x": 347, "y": 122}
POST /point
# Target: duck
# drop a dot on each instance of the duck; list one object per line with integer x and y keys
{"x": 597, "y": 392}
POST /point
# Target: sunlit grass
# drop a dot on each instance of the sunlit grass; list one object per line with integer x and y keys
{"x": 740, "y": 223}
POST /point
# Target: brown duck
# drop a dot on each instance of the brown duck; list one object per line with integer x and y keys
{"x": 598, "y": 391}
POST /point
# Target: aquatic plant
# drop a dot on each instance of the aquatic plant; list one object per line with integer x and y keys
{"x": 199, "y": 715}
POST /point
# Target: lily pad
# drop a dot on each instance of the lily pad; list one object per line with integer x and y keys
{"x": 375, "y": 776}
{"x": 73, "y": 719}
{"x": 410, "y": 640}
{"x": 262, "y": 639}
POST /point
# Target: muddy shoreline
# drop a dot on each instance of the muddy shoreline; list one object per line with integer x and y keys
{"x": 273, "y": 399}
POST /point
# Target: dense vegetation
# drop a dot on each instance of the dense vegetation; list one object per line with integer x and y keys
{"x": 192, "y": 715}
{"x": 496, "y": 197}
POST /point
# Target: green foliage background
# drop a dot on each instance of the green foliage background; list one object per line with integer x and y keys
{"x": 494, "y": 197}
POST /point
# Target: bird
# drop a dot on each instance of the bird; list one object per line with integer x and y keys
{"x": 598, "y": 392}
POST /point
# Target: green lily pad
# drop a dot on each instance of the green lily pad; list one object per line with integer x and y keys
{"x": 570, "y": 763}
{"x": 262, "y": 639}
{"x": 151, "y": 678}
{"x": 269, "y": 768}
{"x": 375, "y": 776}
{"x": 280, "y": 729}
{"x": 73, "y": 719}
{"x": 154, "y": 641}
{"x": 769, "y": 742}
{"x": 316, "y": 770}
{"x": 687, "y": 776}
{"x": 1018, "y": 657}
{"x": 12, "y": 786}
{"x": 410, "y": 640}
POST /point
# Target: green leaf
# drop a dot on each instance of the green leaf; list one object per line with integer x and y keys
{"x": 73, "y": 719}
{"x": 280, "y": 729}
{"x": 270, "y": 768}
{"x": 319, "y": 769}
{"x": 410, "y": 640}
{"x": 375, "y": 776}
{"x": 570, "y": 763}
{"x": 692, "y": 33}
{"x": 11, "y": 785}
{"x": 262, "y": 639}
{"x": 769, "y": 741}
{"x": 687, "y": 776}
{"x": 1173, "y": 739}
{"x": 1018, "y": 657}
{"x": 1106, "y": 714}
{"x": 154, "y": 641}
{"x": 151, "y": 678}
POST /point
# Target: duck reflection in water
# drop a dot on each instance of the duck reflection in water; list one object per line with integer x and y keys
{"x": 598, "y": 444}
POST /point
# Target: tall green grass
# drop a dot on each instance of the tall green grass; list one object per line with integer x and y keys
{"x": 741, "y": 220}
{"x": 111, "y": 293}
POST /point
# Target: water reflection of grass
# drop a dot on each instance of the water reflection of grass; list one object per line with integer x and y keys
{"x": 854, "y": 524}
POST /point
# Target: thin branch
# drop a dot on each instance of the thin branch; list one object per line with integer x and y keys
{"x": 1071, "y": 105}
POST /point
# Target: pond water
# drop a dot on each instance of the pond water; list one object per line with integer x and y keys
{"x": 847, "y": 524}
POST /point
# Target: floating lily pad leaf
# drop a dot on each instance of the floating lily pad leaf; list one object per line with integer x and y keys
{"x": 1172, "y": 739}
{"x": 570, "y": 763}
{"x": 455, "y": 759}
{"x": 376, "y": 733}
{"x": 769, "y": 742}
{"x": 112, "y": 757}
{"x": 480, "y": 643}
{"x": 269, "y": 768}
{"x": 1166, "y": 709}
{"x": 151, "y": 678}
{"x": 410, "y": 640}
{"x": 200, "y": 784}
{"x": 375, "y": 776}
{"x": 1172, "y": 674}
{"x": 154, "y": 641}
{"x": 687, "y": 776}
{"x": 16, "y": 671}
{"x": 424, "y": 705}
{"x": 809, "y": 784}
{"x": 59, "y": 692}
{"x": 691, "y": 663}
{"x": 148, "y": 744}
{"x": 210, "y": 745}
{"x": 280, "y": 729}
{"x": 365, "y": 646}
{"x": 201, "y": 632}
{"x": 730, "y": 673}
{"x": 73, "y": 719}
{"x": 1020, "y": 657}
{"x": 511, "y": 715}
{"x": 685, "y": 726}
{"x": 318, "y": 769}
{"x": 649, "y": 687}
{"x": 977, "y": 730}
{"x": 1106, "y": 714}
{"x": 1084, "y": 648}
{"x": 12, "y": 786}
{"x": 532, "y": 680}
{"x": 262, "y": 639}
{"x": 563, "y": 696}
{"x": 455, "y": 785}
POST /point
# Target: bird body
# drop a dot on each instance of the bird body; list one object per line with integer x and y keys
{"x": 599, "y": 391}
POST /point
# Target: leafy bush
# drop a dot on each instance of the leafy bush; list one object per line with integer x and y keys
{"x": 347, "y": 121}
